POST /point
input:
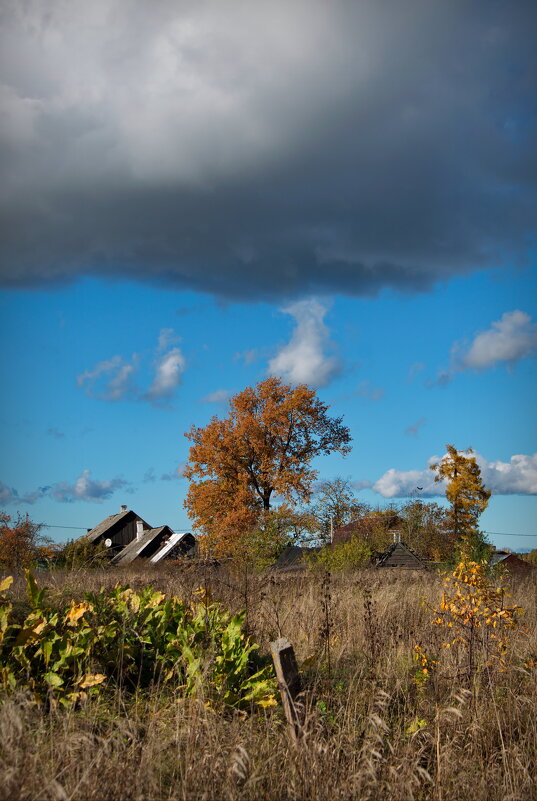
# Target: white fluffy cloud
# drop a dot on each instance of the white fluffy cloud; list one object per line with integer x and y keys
{"x": 169, "y": 369}
{"x": 518, "y": 476}
{"x": 110, "y": 379}
{"x": 309, "y": 357}
{"x": 509, "y": 339}
{"x": 113, "y": 379}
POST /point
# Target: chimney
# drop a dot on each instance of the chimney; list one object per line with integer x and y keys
{"x": 397, "y": 536}
{"x": 139, "y": 529}
{"x": 123, "y": 508}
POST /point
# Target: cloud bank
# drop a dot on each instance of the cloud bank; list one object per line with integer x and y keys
{"x": 308, "y": 357}
{"x": 84, "y": 488}
{"x": 268, "y": 149}
{"x": 518, "y": 476}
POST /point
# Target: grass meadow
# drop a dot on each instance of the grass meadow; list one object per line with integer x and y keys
{"x": 376, "y": 727}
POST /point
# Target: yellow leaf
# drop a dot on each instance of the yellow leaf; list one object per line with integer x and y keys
{"x": 6, "y": 583}
{"x": 266, "y": 702}
{"x": 91, "y": 680}
{"x": 76, "y": 611}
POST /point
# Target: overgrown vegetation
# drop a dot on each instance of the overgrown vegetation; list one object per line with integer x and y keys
{"x": 133, "y": 640}
{"x": 374, "y": 728}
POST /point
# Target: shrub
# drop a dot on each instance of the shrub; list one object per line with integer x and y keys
{"x": 345, "y": 556}
{"x": 129, "y": 639}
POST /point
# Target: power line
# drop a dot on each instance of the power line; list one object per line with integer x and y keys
{"x": 504, "y": 534}
{"x": 179, "y": 530}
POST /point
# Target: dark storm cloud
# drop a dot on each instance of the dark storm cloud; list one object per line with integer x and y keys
{"x": 267, "y": 149}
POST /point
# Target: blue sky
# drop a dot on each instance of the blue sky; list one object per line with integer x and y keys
{"x": 386, "y": 354}
{"x": 195, "y": 196}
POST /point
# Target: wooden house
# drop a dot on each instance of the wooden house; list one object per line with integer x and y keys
{"x": 293, "y": 557}
{"x": 511, "y": 562}
{"x": 400, "y": 555}
{"x": 117, "y": 530}
{"x": 130, "y": 537}
{"x": 144, "y": 546}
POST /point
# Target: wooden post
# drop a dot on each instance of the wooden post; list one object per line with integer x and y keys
{"x": 283, "y": 656}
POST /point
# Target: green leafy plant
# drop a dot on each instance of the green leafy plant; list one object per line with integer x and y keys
{"x": 131, "y": 639}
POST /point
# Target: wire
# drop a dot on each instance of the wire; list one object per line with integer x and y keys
{"x": 504, "y": 534}
{"x": 180, "y": 530}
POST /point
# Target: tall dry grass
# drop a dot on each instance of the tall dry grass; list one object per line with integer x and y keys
{"x": 371, "y": 732}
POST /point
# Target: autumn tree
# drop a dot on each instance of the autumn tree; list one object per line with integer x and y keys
{"x": 467, "y": 496}
{"x": 334, "y": 505}
{"x": 20, "y": 543}
{"x": 263, "y": 449}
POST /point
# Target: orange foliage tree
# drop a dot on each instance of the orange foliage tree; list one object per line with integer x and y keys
{"x": 264, "y": 447}
{"x": 20, "y": 543}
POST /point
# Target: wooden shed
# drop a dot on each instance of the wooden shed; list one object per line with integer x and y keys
{"x": 400, "y": 555}
{"x": 144, "y": 546}
{"x": 511, "y": 562}
{"x": 120, "y": 529}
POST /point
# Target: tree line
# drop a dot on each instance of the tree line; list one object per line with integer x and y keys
{"x": 253, "y": 488}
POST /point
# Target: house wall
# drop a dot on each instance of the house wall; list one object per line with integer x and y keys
{"x": 122, "y": 532}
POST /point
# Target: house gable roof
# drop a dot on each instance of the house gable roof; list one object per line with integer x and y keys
{"x": 136, "y": 548}
{"x": 400, "y": 555}
{"x": 175, "y": 539}
{"x": 109, "y": 522}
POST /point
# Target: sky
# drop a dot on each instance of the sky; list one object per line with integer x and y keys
{"x": 196, "y": 195}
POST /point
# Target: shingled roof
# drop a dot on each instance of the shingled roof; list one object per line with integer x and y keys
{"x": 178, "y": 544}
{"x": 400, "y": 555}
{"x": 101, "y": 529}
{"x": 146, "y": 546}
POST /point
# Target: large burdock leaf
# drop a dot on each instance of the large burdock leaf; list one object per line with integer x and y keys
{"x": 91, "y": 680}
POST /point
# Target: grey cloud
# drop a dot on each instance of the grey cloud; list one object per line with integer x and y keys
{"x": 218, "y": 396}
{"x": 175, "y": 474}
{"x": 270, "y": 149}
{"x": 85, "y": 488}
{"x": 56, "y": 433}
{"x": 414, "y": 429}
{"x": 365, "y": 389}
{"x": 110, "y": 379}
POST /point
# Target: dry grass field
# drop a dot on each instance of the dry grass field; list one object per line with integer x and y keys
{"x": 374, "y": 729}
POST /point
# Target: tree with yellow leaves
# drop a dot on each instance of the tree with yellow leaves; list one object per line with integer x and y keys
{"x": 468, "y": 497}
{"x": 262, "y": 449}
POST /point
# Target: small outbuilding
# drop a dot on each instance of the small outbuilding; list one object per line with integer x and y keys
{"x": 293, "y": 557}
{"x": 511, "y": 562}
{"x": 175, "y": 545}
{"x": 400, "y": 555}
{"x": 146, "y": 544}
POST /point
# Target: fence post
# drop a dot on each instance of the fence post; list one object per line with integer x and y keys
{"x": 283, "y": 656}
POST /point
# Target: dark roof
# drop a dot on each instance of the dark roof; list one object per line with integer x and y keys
{"x": 292, "y": 557}
{"x": 176, "y": 542}
{"x": 510, "y": 561}
{"x": 136, "y": 548}
{"x": 101, "y": 528}
{"x": 400, "y": 555}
